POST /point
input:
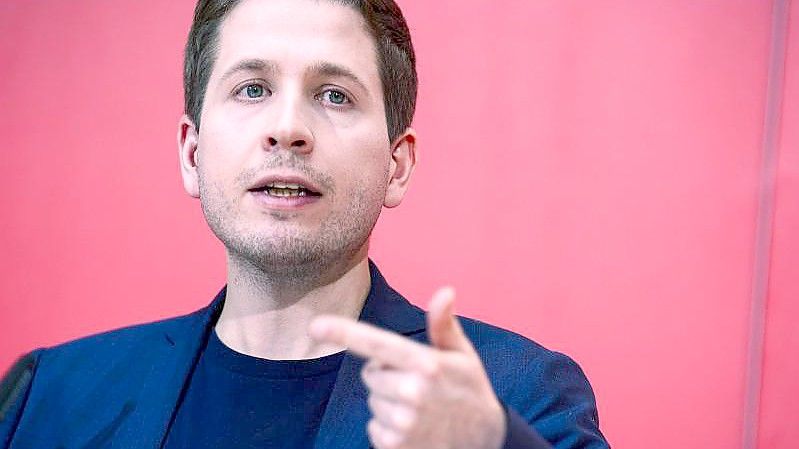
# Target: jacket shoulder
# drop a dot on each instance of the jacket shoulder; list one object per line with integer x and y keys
{"x": 499, "y": 346}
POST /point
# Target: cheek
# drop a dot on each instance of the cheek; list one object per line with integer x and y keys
{"x": 221, "y": 150}
{"x": 368, "y": 165}
{"x": 224, "y": 132}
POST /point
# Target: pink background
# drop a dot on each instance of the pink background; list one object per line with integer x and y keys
{"x": 590, "y": 177}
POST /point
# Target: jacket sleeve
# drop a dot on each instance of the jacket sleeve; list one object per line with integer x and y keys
{"x": 14, "y": 389}
{"x": 556, "y": 410}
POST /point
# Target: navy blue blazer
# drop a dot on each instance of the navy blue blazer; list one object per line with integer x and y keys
{"x": 120, "y": 389}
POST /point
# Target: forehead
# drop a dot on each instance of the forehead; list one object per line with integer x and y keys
{"x": 296, "y": 34}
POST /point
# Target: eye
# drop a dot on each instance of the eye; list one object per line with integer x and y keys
{"x": 252, "y": 91}
{"x": 334, "y": 96}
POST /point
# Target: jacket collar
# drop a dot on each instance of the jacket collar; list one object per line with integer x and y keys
{"x": 344, "y": 422}
{"x": 384, "y": 307}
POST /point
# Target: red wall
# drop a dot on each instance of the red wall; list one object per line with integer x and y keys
{"x": 588, "y": 177}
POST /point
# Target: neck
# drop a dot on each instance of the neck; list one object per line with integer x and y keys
{"x": 266, "y": 314}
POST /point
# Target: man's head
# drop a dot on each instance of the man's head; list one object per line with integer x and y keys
{"x": 296, "y": 132}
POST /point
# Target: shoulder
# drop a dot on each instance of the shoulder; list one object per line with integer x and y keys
{"x": 523, "y": 370}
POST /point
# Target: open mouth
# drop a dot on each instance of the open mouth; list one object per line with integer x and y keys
{"x": 285, "y": 190}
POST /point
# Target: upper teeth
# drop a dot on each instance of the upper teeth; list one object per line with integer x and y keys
{"x": 284, "y": 185}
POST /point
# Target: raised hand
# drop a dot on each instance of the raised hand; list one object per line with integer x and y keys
{"x": 431, "y": 397}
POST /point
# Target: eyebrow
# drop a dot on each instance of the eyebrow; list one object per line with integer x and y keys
{"x": 250, "y": 65}
{"x": 331, "y": 70}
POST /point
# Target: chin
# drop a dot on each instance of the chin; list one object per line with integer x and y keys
{"x": 294, "y": 253}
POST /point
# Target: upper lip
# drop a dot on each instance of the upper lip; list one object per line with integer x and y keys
{"x": 286, "y": 179}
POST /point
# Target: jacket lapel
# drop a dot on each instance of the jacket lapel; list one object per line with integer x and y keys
{"x": 142, "y": 416}
{"x": 161, "y": 395}
{"x": 344, "y": 422}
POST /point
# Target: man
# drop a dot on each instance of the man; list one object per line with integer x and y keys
{"x": 296, "y": 134}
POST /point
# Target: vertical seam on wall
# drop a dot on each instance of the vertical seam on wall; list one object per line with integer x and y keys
{"x": 764, "y": 228}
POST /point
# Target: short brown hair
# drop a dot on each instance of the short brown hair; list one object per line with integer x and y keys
{"x": 395, "y": 57}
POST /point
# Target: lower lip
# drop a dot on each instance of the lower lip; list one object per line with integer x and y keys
{"x": 283, "y": 202}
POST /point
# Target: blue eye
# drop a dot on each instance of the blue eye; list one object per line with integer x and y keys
{"x": 252, "y": 91}
{"x": 335, "y": 97}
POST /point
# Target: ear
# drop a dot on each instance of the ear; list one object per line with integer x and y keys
{"x": 187, "y": 152}
{"x": 403, "y": 161}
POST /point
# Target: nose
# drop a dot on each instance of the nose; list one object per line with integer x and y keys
{"x": 289, "y": 129}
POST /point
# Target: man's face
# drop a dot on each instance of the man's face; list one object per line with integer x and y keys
{"x": 294, "y": 100}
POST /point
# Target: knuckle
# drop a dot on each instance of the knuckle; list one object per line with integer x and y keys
{"x": 371, "y": 375}
{"x": 434, "y": 367}
{"x": 382, "y": 437}
{"x": 374, "y": 404}
{"x": 404, "y": 420}
{"x": 372, "y": 365}
{"x": 373, "y": 429}
{"x": 391, "y": 440}
{"x": 376, "y": 347}
{"x": 412, "y": 390}
{"x": 366, "y": 376}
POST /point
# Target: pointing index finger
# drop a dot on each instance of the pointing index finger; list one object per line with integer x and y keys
{"x": 372, "y": 342}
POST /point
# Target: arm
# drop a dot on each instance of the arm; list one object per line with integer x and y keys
{"x": 14, "y": 389}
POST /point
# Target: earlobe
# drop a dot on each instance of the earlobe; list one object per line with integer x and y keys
{"x": 403, "y": 161}
{"x": 188, "y": 140}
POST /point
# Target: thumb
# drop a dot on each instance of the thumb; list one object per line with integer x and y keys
{"x": 442, "y": 326}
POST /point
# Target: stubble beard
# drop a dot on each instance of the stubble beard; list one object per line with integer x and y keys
{"x": 283, "y": 253}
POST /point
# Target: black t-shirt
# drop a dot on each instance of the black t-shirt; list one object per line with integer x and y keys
{"x": 239, "y": 401}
